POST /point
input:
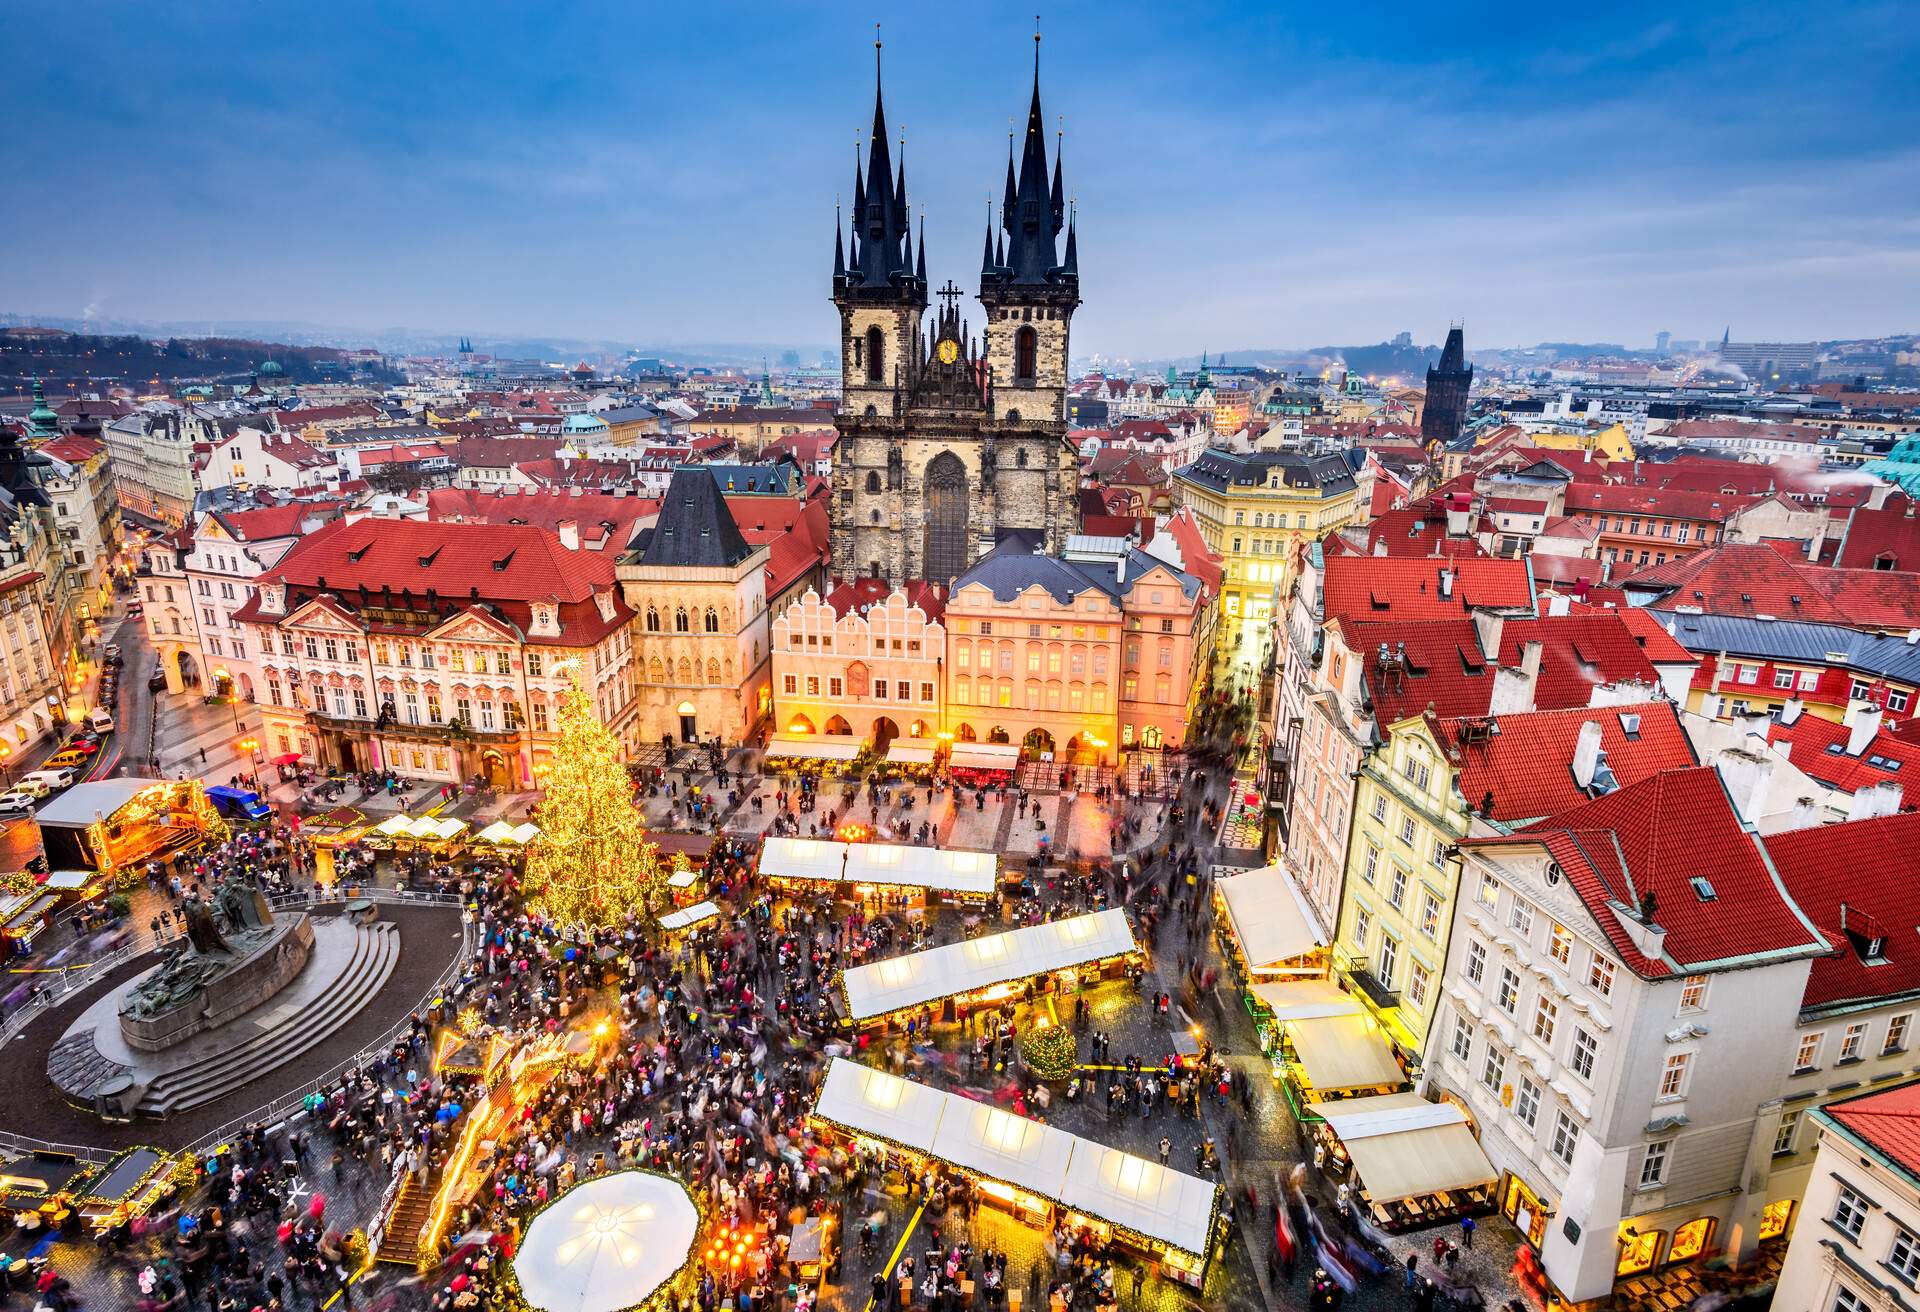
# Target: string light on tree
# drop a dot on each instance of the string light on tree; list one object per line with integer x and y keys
{"x": 592, "y": 866}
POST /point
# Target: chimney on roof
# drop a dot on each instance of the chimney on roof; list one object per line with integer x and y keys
{"x": 1458, "y": 517}
{"x": 569, "y": 534}
{"x": 1875, "y": 800}
{"x": 1586, "y": 754}
{"x": 1513, "y": 688}
{"x": 1446, "y": 583}
{"x": 1748, "y": 778}
{"x": 1487, "y": 627}
{"x": 1863, "y": 723}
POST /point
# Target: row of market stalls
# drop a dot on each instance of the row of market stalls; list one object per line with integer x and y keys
{"x": 45, "y": 1189}
{"x": 1413, "y": 1162}
{"x": 863, "y": 870}
{"x": 448, "y": 829}
{"x": 992, "y": 969}
{"x": 1036, "y": 1172}
{"x": 974, "y": 763}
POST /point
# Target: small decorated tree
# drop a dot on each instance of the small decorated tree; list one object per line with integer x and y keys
{"x": 592, "y": 864}
{"x": 1050, "y": 1052}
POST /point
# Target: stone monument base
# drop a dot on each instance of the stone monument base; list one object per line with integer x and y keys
{"x": 264, "y": 966}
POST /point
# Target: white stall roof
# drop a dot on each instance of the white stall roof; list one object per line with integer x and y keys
{"x": 1307, "y": 999}
{"x": 1024, "y": 1153}
{"x": 395, "y": 826}
{"x": 985, "y": 756}
{"x": 912, "y": 751}
{"x": 497, "y": 832}
{"x": 922, "y": 867}
{"x": 525, "y": 833}
{"x": 813, "y": 747}
{"x": 872, "y": 1102}
{"x": 608, "y": 1243}
{"x": 688, "y": 916}
{"x": 1344, "y": 1052}
{"x": 1403, "y": 1146}
{"x": 1143, "y": 1196}
{"x": 922, "y": 977}
{"x": 1269, "y": 917}
{"x": 803, "y": 858}
{"x": 682, "y": 878}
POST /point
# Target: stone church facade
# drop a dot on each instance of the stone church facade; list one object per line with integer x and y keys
{"x": 951, "y": 440}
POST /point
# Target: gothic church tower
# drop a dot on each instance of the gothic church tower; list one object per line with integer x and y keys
{"x": 948, "y": 442}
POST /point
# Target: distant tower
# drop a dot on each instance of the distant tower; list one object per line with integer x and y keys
{"x": 1662, "y": 340}
{"x": 1726, "y": 340}
{"x": 1448, "y": 383}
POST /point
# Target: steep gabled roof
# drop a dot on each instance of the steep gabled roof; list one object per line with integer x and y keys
{"x": 1755, "y": 579}
{"x": 1674, "y": 835}
{"x": 695, "y": 528}
{"x": 1525, "y": 762}
{"x": 1366, "y": 587}
{"x": 1880, "y": 894}
{"x": 1820, "y": 751}
{"x": 1888, "y": 1121}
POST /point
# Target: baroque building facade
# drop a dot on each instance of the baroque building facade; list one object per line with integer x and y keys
{"x": 950, "y": 442}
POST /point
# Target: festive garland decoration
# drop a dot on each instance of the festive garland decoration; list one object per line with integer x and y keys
{"x": 507, "y": 1295}
{"x": 1050, "y": 1053}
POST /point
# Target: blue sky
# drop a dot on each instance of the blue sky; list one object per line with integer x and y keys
{"x": 1247, "y": 175}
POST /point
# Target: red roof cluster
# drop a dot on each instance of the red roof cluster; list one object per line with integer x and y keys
{"x": 1371, "y": 587}
{"x": 1879, "y": 896}
{"x": 1749, "y": 579}
{"x": 865, "y": 591}
{"x": 1520, "y": 767}
{"x": 1819, "y": 750}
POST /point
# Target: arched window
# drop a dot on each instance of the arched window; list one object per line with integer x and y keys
{"x": 713, "y": 671}
{"x": 873, "y": 481}
{"x": 653, "y": 620}
{"x": 1026, "y": 350}
{"x": 876, "y": 352}
{"x": 712, "y": 622}
{"x": 686, "y": 671}
{"x": 680, "y": 620}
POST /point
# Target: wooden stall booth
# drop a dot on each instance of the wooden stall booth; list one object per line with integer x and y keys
{"x": 1414, "y": 1163}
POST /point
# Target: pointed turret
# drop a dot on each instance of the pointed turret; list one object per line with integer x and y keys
{"x": 19, "y": 467}
{"x": 880, "y": 262}
{"x": 920, "y": 268}
{"x": 1443, "y": 414}
{"x": 1453, "y": 356}
{"x": 1071, "y": 266}
{"x": 986, "y": 254}
{"x": 1034, "y": 211}
{"x": 43, "y": 425}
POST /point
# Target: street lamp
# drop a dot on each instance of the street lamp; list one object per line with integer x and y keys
{"x": 6, "y": 756}
{"x": 251, "y": 746}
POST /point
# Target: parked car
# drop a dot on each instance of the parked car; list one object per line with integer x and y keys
{"x": 111, "y": 655}
{"x": 16, "y": 803}
{"x": 135, "y": 611}
{"x": 100, "y": 720}
{"x": 68, "y": 759}
{"x": 53, "y": 779}
{"x": 32, "y": 786}
{"x": 84, "y": 742}
{"x": 157, "y": 681}
{"x": 239, "y": 804}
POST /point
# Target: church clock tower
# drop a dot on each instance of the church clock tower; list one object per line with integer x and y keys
{"x": 947, "y": 442}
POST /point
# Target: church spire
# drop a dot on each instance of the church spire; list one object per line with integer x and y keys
{"x": 1035, "y": 210}
{"x": 839, "y": 250}
{"x": 1071, "y": 268}
{"x": 880, "y": 260}
{"x": 920, "y": 269}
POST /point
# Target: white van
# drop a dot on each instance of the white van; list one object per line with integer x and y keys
{"x": 100, "y": 720}
{"x": 52, "y": 780}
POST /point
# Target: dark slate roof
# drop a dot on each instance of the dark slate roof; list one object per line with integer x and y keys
{"x": 1889, "y": 656}
{"x": 775, "y": 479}
{"x": 1220, "y": 470}
{"x": 695, "y": 528}
{"x": 1010, "y": 569}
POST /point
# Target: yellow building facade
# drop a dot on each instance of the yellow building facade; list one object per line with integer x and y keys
{"x": 1397, "y": 895}
{"x": 1258, "y": 510}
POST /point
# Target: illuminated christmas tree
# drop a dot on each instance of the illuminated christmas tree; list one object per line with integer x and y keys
{"x": 592, "y": 864}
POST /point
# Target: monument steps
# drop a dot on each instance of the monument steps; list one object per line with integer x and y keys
{"x": 375, "y": 953}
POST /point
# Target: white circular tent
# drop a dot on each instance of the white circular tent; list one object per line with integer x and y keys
{"x": 607, "y": 1244}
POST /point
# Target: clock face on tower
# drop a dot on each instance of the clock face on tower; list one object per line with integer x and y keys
{"x": 948, "y": 350}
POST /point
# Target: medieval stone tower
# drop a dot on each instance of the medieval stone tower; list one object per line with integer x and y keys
{"x": 951, "y": 441}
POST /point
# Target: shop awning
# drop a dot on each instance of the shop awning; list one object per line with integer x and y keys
{"x": 1141, "y": 1195}
{"x": 984, "y": 756}
{"x": 978, "y": 1136}
{"x": 872, "y": 1102}
{"x": 395, "y": 826}
{"x": 497, "y": 832}
{"x": 813, "y": 746}
{"x": 1307, "y": 999}
{"x": 1403, "y": 1146}
{"x": 70, "y": 881}
{"x": 922, "y": 977}
{"x": 922, "y": 867}
{"x": 912, "y": 751}
{"x": 803, "y": 858}
{"x": 1270, "y": 919}
{"x": 437, "y": 829}
{"x": 1344, "y": 1052}
{"x": 689, "y": 916}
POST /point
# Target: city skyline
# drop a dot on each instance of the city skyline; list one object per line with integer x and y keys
{"x": 1243, "y": 178}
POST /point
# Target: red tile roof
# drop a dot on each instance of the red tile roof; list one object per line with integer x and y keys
{"x": 1525, "y": 762}
{"x": 75, "y": 450}
{"x": 798, "y": 545}
{"x": 1660, "y": 503}
{"x": 507, "y": 565}
{"x": 1749, "y": 579}
{"x": 1722, "y": 429}
{"x": 1418, "y": 531}
{"x": 1516, "y": 505}
{"x": 1196, "y": 557}
{"x": 857, "y": 594}
{"x": 270, "y": 522}
{"x": 1658, "y": 836}
{"x": 1881, "y": 894}
{"x": 1697, "y": 474}
{"x": 293, "y": 420}
{"x": 603, "y": 519}
{"x": 1891, "y": 534}
{"x": 1820, "y": 750}
{"x": 1368, "y": 587}
{"x": 1889, "y": 1121}
{"x": 502, "y": 452}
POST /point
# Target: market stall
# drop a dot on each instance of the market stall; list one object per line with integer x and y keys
{"x": 75, "y": 886}
{"x": 1272, "y": 1005}
{"x": 608, "y": 1244}
{"x": 822, "y": 753}
{"x": 116, "y": 826}
{"x": 925, "y": 871}
{"x": 1325, "y": 1058}
{"x": 39, "y": 1187}
{"x": 989, "y": 970}
{"x": 678, "y": 922}
{"x": 26, "y": 919}
{"x": 913, "y": 755}
{"x": 803, "y": 863}
{"x": 981, "y": 765}
{"x": 1415, "y": 1162}
{"x": 1265, "y": 927}
{"x": 1038, "y": 1173}
{"x": 129, "y": 1186}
